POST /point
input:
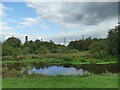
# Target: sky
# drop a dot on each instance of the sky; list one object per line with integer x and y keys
{"x": 57, "y": 20}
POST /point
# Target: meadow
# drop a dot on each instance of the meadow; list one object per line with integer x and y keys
{"x": 13, "y": 79}
{"x": 93, "y": 63}
{"x": 92, "y": 81}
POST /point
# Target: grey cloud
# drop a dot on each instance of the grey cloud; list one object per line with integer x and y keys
{"x": 80, "y": 15}
{"x": 86, "y": 13}
{"x": 90, "y": 13}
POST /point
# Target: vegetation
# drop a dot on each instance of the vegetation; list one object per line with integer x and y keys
{"x": 64, "y": 60}
{"x": 97, "y": 48}
{"x": 92, "y": 81}
{"x": 16, "y": 55}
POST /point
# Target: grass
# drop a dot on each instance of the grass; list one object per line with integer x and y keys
{"x": 0, "y": 83}
{"x": 71, "y": 58}
{"x": 55, "y": 61}
{"x": 78, "y": 60}
{"x": 92, "y": 81}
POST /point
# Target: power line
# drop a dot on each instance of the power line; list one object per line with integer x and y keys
{"x": 63, "y": 6}
{"x": 64, "y": 41}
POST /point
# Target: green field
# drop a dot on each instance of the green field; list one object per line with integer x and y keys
{"x": 92, "y": 81}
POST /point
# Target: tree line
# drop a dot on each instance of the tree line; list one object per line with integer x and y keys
{"x": 96, "y": 46}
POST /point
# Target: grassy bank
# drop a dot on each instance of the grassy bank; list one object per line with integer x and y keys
{"x": 65, "y": 61}
{"x": 92, "y": 81}
{"x": 60, "y": 58}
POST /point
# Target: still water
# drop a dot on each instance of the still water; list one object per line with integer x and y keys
{"x": 66, "y": 69}
{"x": 58, "y": 70}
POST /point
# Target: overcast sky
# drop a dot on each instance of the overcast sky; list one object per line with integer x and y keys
{"x": 57, "y": 20}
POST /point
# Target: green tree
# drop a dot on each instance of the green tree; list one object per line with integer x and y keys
{"x": 11, "y": 47}
{"x": 13, "y": 42}
{"x": 0, "y": 49}
{"x": 113, "y": 41}
{"x": 8, "y": 50}
{"x": 98, "y": 49}
{"x": 81, "y": 44}
{"x": 118, "y": 41}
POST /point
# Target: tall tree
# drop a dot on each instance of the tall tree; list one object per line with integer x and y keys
{"x": 13, "y": 42}
{"x": 118, "y": 41}
{"x": 113, "y": 41}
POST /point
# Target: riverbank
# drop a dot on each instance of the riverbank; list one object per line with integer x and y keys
{"x": 59, "y": 61}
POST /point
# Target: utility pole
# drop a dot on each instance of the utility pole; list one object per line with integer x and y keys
{"x": 64, "y": 41}
{"x": 41, "y": 39}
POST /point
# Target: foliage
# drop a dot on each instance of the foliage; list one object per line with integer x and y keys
{"x": 81, "y": 44}
{"x": 10, "y": 73}
{"x": 21, "y": 57}
{"x": 113, "y": 41}
{"x": 7, "y": 58}
{"x": 13, "y": 42}
{"x": 99, "y": 48}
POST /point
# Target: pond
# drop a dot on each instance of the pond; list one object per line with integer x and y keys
{"x": 58, "y": 70}
{"x": 73, "y": 70}
{"x": 66, "y": 69}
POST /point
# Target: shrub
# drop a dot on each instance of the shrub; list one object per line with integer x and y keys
{"x": 65, "y": 58}
{"x": 88, "y": 56}
{"x": 73, "y": 51}
{"x": 33, "y": 57}
{"x": 42, "y": 51}
{"x": 99, "y": 55}
{"x": 21, "y": 57}
{"x": 4, "y": 70}
{"x": 11, "y": 73}
{"x": 83, "y": 60}
{"x": 0, "y": 58}
{"x": 7, "y": 58}
{"x": 93, "y": 61}
{"x": 55, "y": 51}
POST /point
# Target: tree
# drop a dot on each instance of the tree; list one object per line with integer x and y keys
{"x": 13, "y": 42}
{"x": 118, "y": 41}
{"x": 0, "y": 49}
{"x": 81, "y": 44}
{"x": 11, "y": 46}
{"x": 113, "y": 41}
{"x": 8, "y": 50}
{"x": 98, "y": 49}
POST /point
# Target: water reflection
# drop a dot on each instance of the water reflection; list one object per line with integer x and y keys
{"x": 58, "y": 70}
{"x": 62, "y": 69}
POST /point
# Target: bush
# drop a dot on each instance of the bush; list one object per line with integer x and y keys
{"x": 67, "y": 58}
{"x": 7, "y": 58}
{"x": 98, "y": 49}
{"x": 55, "y": 51}
{"x": 99, "y": 55}
{"x": 83, "y": 60}
{"x": 42, "y": 51}
{"x": 35, "y": 57}
{"x": 11, "y": 73}
{"x": 73, "y": 51}
{"x": 21, "y": 57}
{"x": 93, "y": 61}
